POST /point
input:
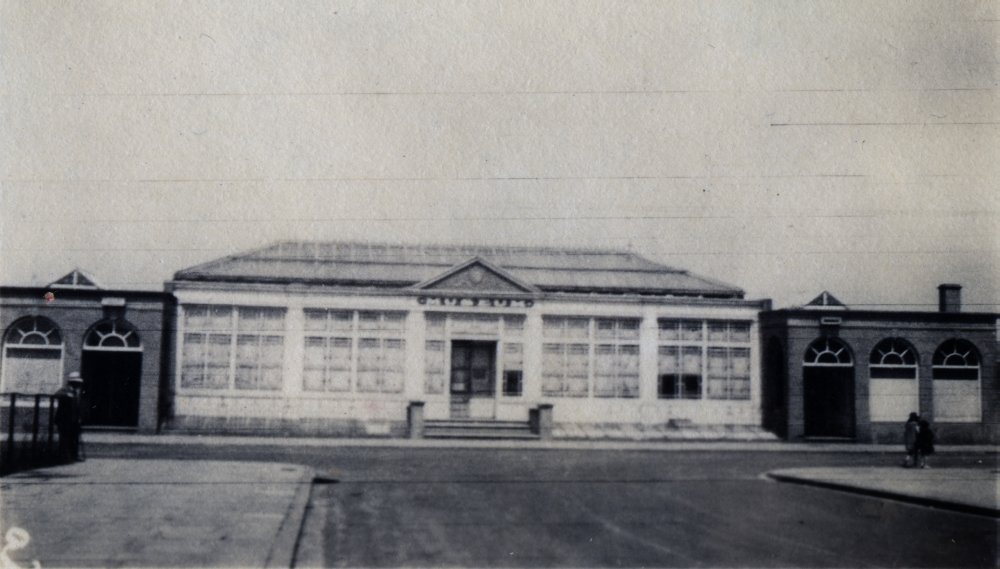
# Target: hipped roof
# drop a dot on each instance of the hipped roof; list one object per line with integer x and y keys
{"x": 404, "y": 266}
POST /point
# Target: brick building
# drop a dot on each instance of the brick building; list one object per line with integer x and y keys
{"x": 833, "y": 372}
{"x": 342, "y": 339}
{"x": 113, "y": 337}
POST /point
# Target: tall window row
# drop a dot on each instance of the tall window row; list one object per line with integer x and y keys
{"x": 596, "y": 357}
{"x": 350, "y": 350}
{"x": 233, "y": 347}
{"x": 699, "y": 359}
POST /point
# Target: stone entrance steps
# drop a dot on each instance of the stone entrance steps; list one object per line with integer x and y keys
{"x": 478, "y": 429}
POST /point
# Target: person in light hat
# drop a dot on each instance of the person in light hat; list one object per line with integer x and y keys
{"x": 67, "y": 417}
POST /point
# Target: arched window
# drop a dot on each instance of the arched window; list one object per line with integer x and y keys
{"x": 828, "y": 352}
{"x": 828, "y": 402}
{"x": 112, "y": 335}
{"x": 956, "y": 382}
{"x": 956, "y": 359}
{"x": 893, "y": 358}
{"x": 893, "y": 392}
{"x": 32, "y": 356}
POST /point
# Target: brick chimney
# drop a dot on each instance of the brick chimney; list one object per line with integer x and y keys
{"x": 950, "y": 298}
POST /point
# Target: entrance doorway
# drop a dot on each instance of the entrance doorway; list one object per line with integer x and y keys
{"x": 829, "y": 401}
{"x": 111, "y": 388}
{"x": 473, "y": 379}
{"x": 828, "y": 389}
{"x": 111, "y": 367}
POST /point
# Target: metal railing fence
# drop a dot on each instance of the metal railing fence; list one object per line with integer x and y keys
{"x": 29, "y": 437}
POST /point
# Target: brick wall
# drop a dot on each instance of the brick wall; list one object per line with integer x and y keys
{"x": 76, "y": 312}
{"x": 797, "y": 331}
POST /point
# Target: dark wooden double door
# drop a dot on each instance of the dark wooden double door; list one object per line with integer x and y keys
{"x": 111, "y": 381}
{"x": 829, "y": 401}
{"x": 473, "y": 374}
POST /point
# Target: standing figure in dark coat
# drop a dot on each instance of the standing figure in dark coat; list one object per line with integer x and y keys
{"x": 67, "y": 417}
{"x": 910, "y": 432}
{"x": 925, "y": 442}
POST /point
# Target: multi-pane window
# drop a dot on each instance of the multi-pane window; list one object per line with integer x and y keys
{"x": 616, "y": 357}
{"x": 434, "y": 368}
{"x": 571, "y": 342}
{"x": 681, "y": 330}
{"x": 113, "y": 335}
{"x": 956, "y": 360}
{"x": 566, "y": 357}
{"x": 725, "y": 331}
{"x": 329, "y": 350}
{"x": 616, "y": 370}
{"x": 513, "y": 326}
{"x": 259, "y": 348}
{"x": 956, "y": 370}
{"x": 32, "y": 356}
{"x": 558, "y": 328}
{"x": 565, "y": 369}
{"x": 436, "y": 322}
{"x": 728, "y": 373}
{"x": 893, "y": 358}
{"x": 513, "y": 366}
{"x": 347, "y": 350}
{"x": 232, "y": 347}
{"x": 679, "y": 372}
{"x": 327, "y": 364}
{"x": 703, "y": 358}
{"x": 381, "y": 363}
{"x": 475, "y": 324}
{"x": 828, "y": 352}
{"x": 892, "y": 366}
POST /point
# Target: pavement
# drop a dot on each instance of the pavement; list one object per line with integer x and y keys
{"x": 193, "y": 513}
{"x": 974, "y": 491}
{"x": 156, "y": 513}
{"x": 97, "y": 437}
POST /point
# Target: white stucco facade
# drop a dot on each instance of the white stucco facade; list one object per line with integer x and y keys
{"x": 357, "y": 358}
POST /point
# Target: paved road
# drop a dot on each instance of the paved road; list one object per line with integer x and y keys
{"x": 525, "y": 508}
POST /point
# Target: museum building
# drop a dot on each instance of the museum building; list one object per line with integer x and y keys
{"x": 832, "y": 372}
{"x": 345, "y": 338}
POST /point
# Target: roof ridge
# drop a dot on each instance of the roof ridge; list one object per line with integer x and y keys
{"x": 466, "y": 246}
{"x": 542, "y": 266}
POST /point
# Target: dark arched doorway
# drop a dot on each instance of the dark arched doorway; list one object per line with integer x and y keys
{"x": 828, "y": 389}
{"x": 112, "y": 370}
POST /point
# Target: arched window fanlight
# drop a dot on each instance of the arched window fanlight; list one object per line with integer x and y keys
{"x": 33, "y": 331}
{"x": 112, "y": 335}
{"x": 956, "y": 359}
{"x": 893, "y": 358}
{"x": 828, "y": 352}
{"x": 32, "y": 356}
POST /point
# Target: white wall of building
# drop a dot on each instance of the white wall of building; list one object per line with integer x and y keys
{"x": 292, "y": 402}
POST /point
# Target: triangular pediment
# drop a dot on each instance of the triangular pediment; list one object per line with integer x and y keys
{"x": 476, "y": 275}
{"x": 75, "y": 279}
{"x": 827, "y": 301}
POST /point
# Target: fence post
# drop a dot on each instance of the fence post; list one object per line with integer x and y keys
{"x": 34, "y": 427}
{"x": 52, "y": 414}
{"x": 11, "y": 421}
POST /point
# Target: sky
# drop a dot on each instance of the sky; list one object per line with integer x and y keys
{"x": 786, "y": 147}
